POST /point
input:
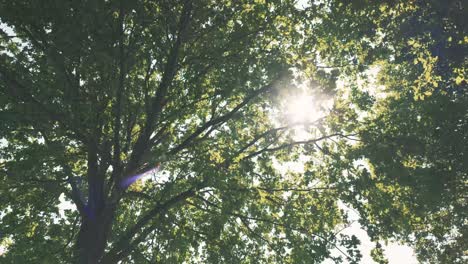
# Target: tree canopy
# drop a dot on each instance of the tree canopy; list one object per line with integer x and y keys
{"x": 409, "y": 170}
{"x": 161, "y": 122}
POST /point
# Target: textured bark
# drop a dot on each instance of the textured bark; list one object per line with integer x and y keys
{"x": 93, "y": 235}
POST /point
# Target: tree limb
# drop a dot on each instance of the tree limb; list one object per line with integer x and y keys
{"x": 116, "y": 163}
{"x": 287, "y": 145}
{"x": 219, "y": 120}
{"x": 124, "y": 246}
{"x": 16, "y": 89}
{"x": 157, "y": 102}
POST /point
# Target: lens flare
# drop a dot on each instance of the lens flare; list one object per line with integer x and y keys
{"x": 125, "y": 183}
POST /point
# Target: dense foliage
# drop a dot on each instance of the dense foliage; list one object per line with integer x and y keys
{"x": 93, "y": 93}
{"x": 407, "y": 175}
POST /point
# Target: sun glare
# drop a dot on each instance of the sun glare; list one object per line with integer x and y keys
{"x": 301, "y": 109}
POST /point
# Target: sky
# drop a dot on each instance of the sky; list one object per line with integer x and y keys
{"x": 396, "y": 254}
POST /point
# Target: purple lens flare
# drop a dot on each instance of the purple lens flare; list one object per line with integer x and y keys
{"x": 125, "y": 183}
{"x": 90, "y": 207}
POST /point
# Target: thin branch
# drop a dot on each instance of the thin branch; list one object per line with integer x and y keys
{"x": 124, "y": 245}
{"x": 77, "y": 197}
{"x": 16, "y": 89}
{"x": 298, "y": 229}
{"x": 287, "y": 145}
{"x": 70, "y": 239}
{"x": 138, "y": 194}
{"x": 219, "y": 120}
{"x": 287, "y": 189}
{"x": 116, "y": 164}
{"x": 158, "y": 101}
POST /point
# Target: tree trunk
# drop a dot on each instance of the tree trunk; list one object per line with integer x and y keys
{"x": 93, "y": 235}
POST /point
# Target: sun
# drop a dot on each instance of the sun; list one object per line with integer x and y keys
{"x": 301, "y": 109}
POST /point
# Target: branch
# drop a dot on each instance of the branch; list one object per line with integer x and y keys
{"x": 246, "y": 224}
{"x": 58, "y": 61}
{"x": 157, "y": 102}
{"x": 263, "y": 135}
{"x": 77, "y": 197}
{"x": 16, "y": 89}
{"x": 70, "y": 239}
{"x": 287, "y": 189}
{"x": 116, "y": 164}
{"x": 287, "y": 226}
{"x": 125, "y": 244}
{"x": 219, "y": 120}
{"x": 141, "y": 195}
{"x": 287, "y": 145}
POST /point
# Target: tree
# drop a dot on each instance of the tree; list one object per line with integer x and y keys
{"x": 97, "y": 95}
{"x": 407, "y": 173}
{"x": 96, "y": 92}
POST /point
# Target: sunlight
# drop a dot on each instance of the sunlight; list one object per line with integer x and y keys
{"x": 301, "y": 109}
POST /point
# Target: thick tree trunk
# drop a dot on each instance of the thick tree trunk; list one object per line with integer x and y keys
{"x": 96, "y": 220}
{"x": 92, "y": 238}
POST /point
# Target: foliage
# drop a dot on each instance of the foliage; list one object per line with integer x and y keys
{"x": 95, "y": 92}
{"x": 407, "y": 172}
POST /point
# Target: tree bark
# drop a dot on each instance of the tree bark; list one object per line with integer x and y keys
{"x": 93, "y": 235}
{"x": 97, "y": 218}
